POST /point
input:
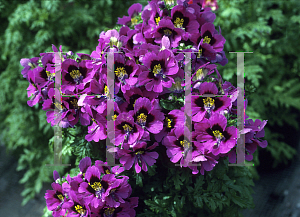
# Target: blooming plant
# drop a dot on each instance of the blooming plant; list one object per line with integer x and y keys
{"x": 149, "y": 106}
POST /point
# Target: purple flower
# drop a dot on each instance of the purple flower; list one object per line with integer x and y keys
{"x": 166, "y": 27}
{"x": 76, "y": 112}
{"x": 107, "y": 169}
{"x": 62, "y": 117}
{"x": 56, "y": 199}
{"x": 125, "y": 209}
{"x": 128, "y": 39}
{"x": 220, "y": 58}
{"x": 253, "y": 131}
{"x": 201, "y": 72}
{"x": 139, "y": 156}
{"x": 208, "y": 105}
{"x": 43, "y": 76}
{"x": 55, "y": 175}
{"x": 113, "y": 38}
{"x": 211, "y": 38}
{"x": 74, "y": 183}
{"x": 133, "y": 94}
{"x": 178, "y": 85}
{"x": 206, "y": 159}
{"x": 97, "y": 131}
{"x": 153, "y": 16}
{"x": 126, "y": 130}
{"x": 214, "y": 131}
{"x": 97, "y": 188}
{"x": 203, "y": 52}
{"x": 77, "y": 207}
{"x": 74, "y": 76}
{"x": 117, "y": 194}
{"x": 160, "y": 66}
{"x": 177, "y": 147}
{"x": 184, "y": 19}
{"x": 206, "y": 16}
{"x": 124, "y": 73}
{"x": 146, "y": 116}
{"x": 28, "y": 64}
{"x": 133, "y": 11}
{"x": 98, "y": 57}
{"x": 173, "y": 119}
{"x": 84, "y": 164}
{"x": 33, "y": 90}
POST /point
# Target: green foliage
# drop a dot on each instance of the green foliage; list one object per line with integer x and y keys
{"x": 268, "y": 29}
{"x": 172, "y": 102}
{"x": 221, "y": 192}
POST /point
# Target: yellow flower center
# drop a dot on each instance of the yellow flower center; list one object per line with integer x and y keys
{"x": 79, "y": 209}
{"x": 114, "y": 117}
{"x": 184, "y": 143}
{"x": 178, "y": 22}
{"x": 218, "y": 134}
{"x": 101, "y": 54}
{"x": 199, "y": 53}
{"x": 139, "y": 152}
{"x": 113, "y": 41}
{"x": 156, "y": 69}
{"x": 75, "y": 74}
{"x": 199, "y": 73}
{"x": 107, "y": 171}
{"x": 142, "y": 118}
{"x": 120, "y": 72}
{"x": 58, "y": 106}
{"x": 60, "y": 197}
{"x": 167, "y": 32}
{"x": 169, "y": 122}
{"x": 106, "y": 91}
{"x": 74, "y": 103}
{"x": 96, "y": 186}
{"x": 134, "y": 21}
{"x": 127, "y": 127}
{"x": 206, "y": 40}
{"x": 49, "y": 74}
{"x": 109, "y": 211}
{"x": 157, "y": 20}
{"x": 208, "y": 102}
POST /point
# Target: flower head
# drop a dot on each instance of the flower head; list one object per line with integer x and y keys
{"x": 140, "y": 155}
{"x": 214, "y": 131}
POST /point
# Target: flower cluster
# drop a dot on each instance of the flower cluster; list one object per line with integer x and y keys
{"x": 98, "y": 190}
{"x": 148, "y": 68}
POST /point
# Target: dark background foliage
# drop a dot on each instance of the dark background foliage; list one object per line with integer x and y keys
{"x": 268, "y": 28}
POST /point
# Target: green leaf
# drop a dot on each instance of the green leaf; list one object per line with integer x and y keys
{"x": 177, "y": 182}
{"x": 151, "y": 170}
